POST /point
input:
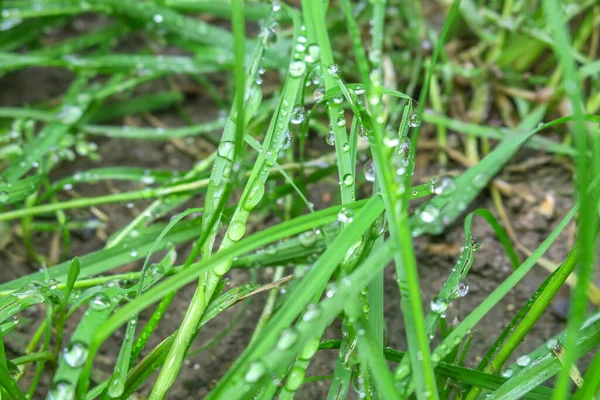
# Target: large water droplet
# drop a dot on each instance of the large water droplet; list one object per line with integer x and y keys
{"x": 414, "y": 120}
{"x": 298, "y": 115}
{"x": 475, "y": 243}
{"x": 341, "y": 121}
{"x": 330, "y": 139}
{"x": 439, "y": 304}
{"x": 268, "y": 37}
{"x": 312, "y": 312}
{"x": 445, "y": 186}
{"x": 288, "y": 139}
{"x": 236, "y": 230}
{"x": 61, "y": 390}
{"x": 75, "y": 354}
{"x": 70, "y": 114}
{"x": 307, "y": 238}
{"x": 334, "y": 70}
{"x": 507, "y": 373}
{"x": 523, "y": 361}
{"x": 348, "y": 180}
{"x": 225, "y": 150}
{"x": 100, "y": 302}
{"x": 369, "y": 171}
{"x": 313, "y": 54}
{"x": 345, "y": 215}
{"x": 429, "y": 214}
{"x": 462, "y": 289}
{"x": 319, "y": 94}
{"x": 297, "y": 68}
{"x": 287, "y": 339}
{"x": 255, "y": 194}
{"x": 256, "y": 370}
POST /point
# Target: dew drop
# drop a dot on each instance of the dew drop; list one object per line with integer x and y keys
{"x": 313, "y": 54}
{"x": 61, "y": 390}
{"x": 100, "y": 302}
{"x": 507, "y": 373}
{"x": 369, "y": 171}
{"x": 237, "y": 230}
{"x": 345, "y": 215}
{"x": 318, "y": 94}
{"x": 312, "y": 313}
{"x": 462, "y": 289}
{"x": 414, "y": 120}
{"x": 429, "y": 214}
{"x": 297, "y": 68}
{"x": 158, "y": 18}
{"x": 523, "y": 361}
{"x": 330, "y": 139}
{"x": 438, "y": 304}
{"x": 307, "y": 238}
{"x": 4, "y": 197}
{"x": 256, "y": 370}
{"x": 133, "y": 253}
{"x": 475, "y": 243}
{"x": 341, "y": 121}
{"x": 348, "y": 180}
{"x": 287, "y": 339}
{"x": 298, "y": 115}
{"x": 334, "y": 71}
{"x": 288, "y": 138}
{"x": 75, "y": 354}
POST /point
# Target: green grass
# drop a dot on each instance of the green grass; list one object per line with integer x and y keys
{"x": 379, "y": 86}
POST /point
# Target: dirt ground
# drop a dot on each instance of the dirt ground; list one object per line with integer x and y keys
{"x": 436, "y": 255}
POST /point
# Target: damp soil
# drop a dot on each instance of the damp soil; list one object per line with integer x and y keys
{"x": 546, "y": 185}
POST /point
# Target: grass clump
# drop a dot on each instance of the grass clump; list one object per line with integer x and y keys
{"x": 431, "y": 101}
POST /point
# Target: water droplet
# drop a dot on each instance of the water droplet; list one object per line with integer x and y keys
{"x": 254, "y": 196}
{"x": 313, "y": 54}
{"x": 100, "y": 302}
{"x": 116, "y": 387}
{"x": 480, "y": 180}
{"x": 298, "y": 115}
{"x": 435, "y": 357}
{"x": 523, "y": 361}
{"x": 341, "y": 121}
{"x": 318, "y": 94}
{"x": 339, "y": 99}
{"x": 429, "y": 214}
{"x": 334, "y": 71}
{"x": 312, "y": 312}
{"x": 507, "y": 373}
{"x": 256, "y": 370}
{"x": 348, "y": 179}
{"x": 133, "y": 253}
{"x": 345, "y": 215}
{"x": 462, "y": 289}
{"x": 369, "y": 171}
{"x": 237, "y": 230}
{"x": 445, "y": 186}
{"x": 345, "y": 147}
{"x": 475, "y": 243}
{"x": 225, "y": 150}
{"x": 268, "y": 37}
{"x": 297, "y": 68}
{"x": 4, "y": 197}
{"x": 330, "y": 139}
{"x": 276, "y": 5}
{"x": 61, "y": 390}
{"x": 307, "y": 238}
{"x": 414, "y": 120}
{"x": 158, "y": 18}
{"x": 288, "y": 139}
{"x": 75, "y": 354}
{"x": 287, "y": 339}
{"x": 438, "y": 304}
{"x": 310, "y": 348}
{"x": 362, "y": 132}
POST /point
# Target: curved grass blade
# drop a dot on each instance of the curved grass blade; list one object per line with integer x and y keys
{"x": 125, "y": 132}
